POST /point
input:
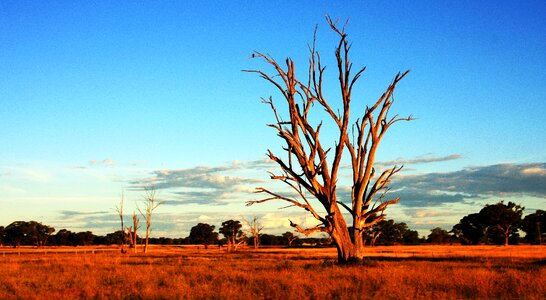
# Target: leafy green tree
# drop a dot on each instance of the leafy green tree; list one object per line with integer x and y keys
{"x": 16, "y": 233}
{"x": 116, "y": 237}
{"x": 388, "y": 232}
{"x": 289, "y": 238}
{"x": 39, "y": 233}
{"x": 270, "y": 240}
{"x": 470, "y": 230}
{"x": 502, "y": 221}
{"x": 203, "y": 233}
{"x": 439, "y": 236}
{"x": 497, "y": 223}
{"x": 65, "y": 237}
{"x": 27, "y": 233}
{"x": 85, "y": 238}
{"x": 534, "y": 226}
{"x": 231, "y": 229}
{"x": 410, "y": 237}
{"x": 165, "y": 241}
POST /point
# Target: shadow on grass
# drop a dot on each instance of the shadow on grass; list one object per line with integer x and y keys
{"x": 429, "y": 259}
{"x": 541, "y": 262}
{"x": 494, "y": 263}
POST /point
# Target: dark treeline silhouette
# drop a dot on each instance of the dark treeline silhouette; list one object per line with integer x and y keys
{"x": 498, "y": 224}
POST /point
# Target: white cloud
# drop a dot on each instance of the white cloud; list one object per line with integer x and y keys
{"x": 104, "y": 162}
{"x": 204, "y": 218}
{"x": 534, "y": 171}
{"x": 201, "y": 184}
{"x": 427, "y": 213}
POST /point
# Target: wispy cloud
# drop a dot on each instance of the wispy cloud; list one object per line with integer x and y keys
{"x": 425, "y": 159}
{"x": 419, "y": 160}
{"x": 75, "y": 213}
{"x": 426, "y": 213}
{"x": 27, "y": 173}
{"x": 264, "y": 163}
{"x": 104, "y": 162}
{"x": 11, "y": 189}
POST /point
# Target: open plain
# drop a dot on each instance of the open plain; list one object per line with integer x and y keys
{"x": 169, "y": 272}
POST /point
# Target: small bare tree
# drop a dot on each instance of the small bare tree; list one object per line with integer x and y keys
{"x": 254, "y": 228}
{"x": 309, "y": 169}
{"x": 150, "y": 204}
{"x": 119, "y": 210}
{"x": 132, "y": 232}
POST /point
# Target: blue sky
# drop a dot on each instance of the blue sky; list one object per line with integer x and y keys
{"x": 100, "y": 97}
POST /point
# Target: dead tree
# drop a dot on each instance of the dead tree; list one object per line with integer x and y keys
{"x": 254, "y": 228}
{"x": 150, "y": 204}
{"x": 132, "y": 232}
{"x": 310, "y": 168}
{"x": 119, "y": 210}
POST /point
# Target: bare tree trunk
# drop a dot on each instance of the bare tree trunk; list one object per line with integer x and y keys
{"x": 146, "y": 243}
{"x": 231, "y": 242}
{"x": 239, "y": 243}
{"x": 375, "y": 235}
{"x": 346, "y": 250}
{"x": 130, "y": 235}
{"x": 119, "y": 210}
{"x": 134, "y": 236}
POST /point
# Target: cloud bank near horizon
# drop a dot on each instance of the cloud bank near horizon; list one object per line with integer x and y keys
{"x": 217, "y": 185}
{"x": 221, "y": 190}
{"x": 477, "y": 182}
{"x": 203, "y": 185}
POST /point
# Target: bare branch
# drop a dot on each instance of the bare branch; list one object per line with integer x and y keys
{"x": 308, "y": 231}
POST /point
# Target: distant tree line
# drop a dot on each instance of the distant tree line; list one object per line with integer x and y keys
{"x": 498, "y": 224}
{"x": 501, "y": 224}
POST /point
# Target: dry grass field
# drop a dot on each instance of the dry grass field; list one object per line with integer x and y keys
{"x": 400, "y": 272}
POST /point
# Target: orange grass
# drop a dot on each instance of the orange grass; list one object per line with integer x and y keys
{"x": 401, "y": 272}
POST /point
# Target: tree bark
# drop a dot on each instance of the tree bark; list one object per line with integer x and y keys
{"x": 346, "y": 250}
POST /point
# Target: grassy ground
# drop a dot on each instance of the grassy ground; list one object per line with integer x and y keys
{"x": 401, "y": 272}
